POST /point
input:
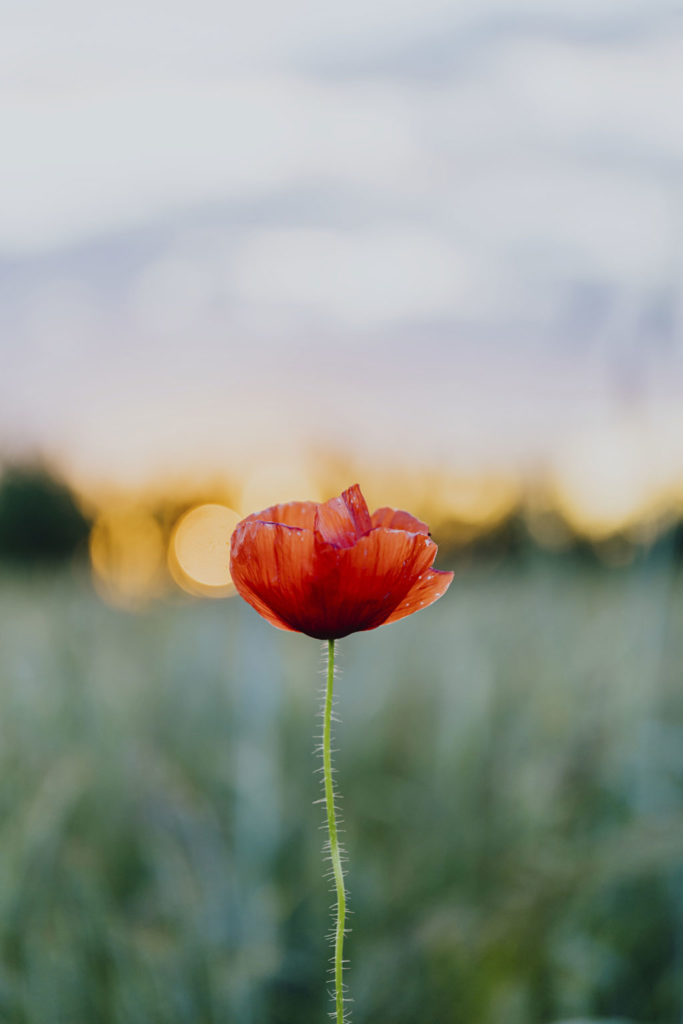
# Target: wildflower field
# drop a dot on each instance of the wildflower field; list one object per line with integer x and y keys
{"x": 512, "y": 771}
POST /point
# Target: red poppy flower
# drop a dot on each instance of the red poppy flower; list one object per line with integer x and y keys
{"x": 331, "y": 569}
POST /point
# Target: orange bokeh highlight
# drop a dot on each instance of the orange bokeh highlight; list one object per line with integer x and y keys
{"x": 605, "y": 484}
{"x": 127, "y": 550}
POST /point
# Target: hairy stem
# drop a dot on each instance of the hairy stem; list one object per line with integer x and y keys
{"x": 335, "y": 853}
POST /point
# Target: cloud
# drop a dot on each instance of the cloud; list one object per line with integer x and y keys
{"x": 81, "y": 163}
{"x": 192, "y": 201}
{"x": 358, "y": 278}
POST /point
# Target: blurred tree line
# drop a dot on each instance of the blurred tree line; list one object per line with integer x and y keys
{"x": 41, "y": 522}
{"x": 513, "y": 542}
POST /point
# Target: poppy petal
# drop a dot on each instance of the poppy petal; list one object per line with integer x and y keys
{"x": 325, "y": 570}
{"x": 425, "y": 591}
{"x": 361, "y": 586}
{"x": 394, "y": 519}
{"x": 341, "y": 521}
{"x": 358, "y": 508}
{"x": 334, "y": 524}
{"x": 290, "y": 513}
{"x": 271, "y": 566}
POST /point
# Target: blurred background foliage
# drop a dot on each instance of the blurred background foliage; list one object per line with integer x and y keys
{"x": 43, "y": 521}
{"x": 40, "y": 520}
{"x": 511, "y": 765}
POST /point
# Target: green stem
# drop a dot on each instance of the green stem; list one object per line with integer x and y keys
{"x": 335, "y": 853}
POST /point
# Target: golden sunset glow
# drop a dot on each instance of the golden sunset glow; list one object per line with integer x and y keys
{"x": 269, "y": 483}
{"x": 476, "y": 504}
{"x": 127, "y": 556}
{"x": 605, "y": 483}
{"x": 199, "y": 550}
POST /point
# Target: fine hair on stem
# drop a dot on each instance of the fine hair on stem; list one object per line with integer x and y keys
{"x": 333, "y": 847}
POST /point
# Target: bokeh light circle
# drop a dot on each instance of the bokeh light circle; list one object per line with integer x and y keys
{"x": 199, "y": 550}
{"x": 127, "y": 556}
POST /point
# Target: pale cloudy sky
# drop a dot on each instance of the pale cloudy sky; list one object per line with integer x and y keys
{"x": 439, "y": 230}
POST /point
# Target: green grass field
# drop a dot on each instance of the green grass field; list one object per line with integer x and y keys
{"x": 511, "y": 764}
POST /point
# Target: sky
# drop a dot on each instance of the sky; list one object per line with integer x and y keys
{"x": 437, "y": 232}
